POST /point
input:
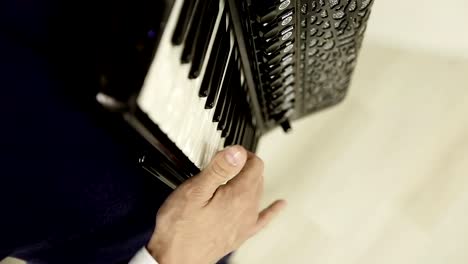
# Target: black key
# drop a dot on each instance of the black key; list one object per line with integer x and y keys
{"x": 223, "y": 98}
{"x": 244, "y": 111}
{"x": 249, "y": 135}
{"x": 194, "y": 30}
{"x": 218, "y": 71}
{"x": 203, "y": 40}
{"x": 233, "y": 110}
{"x": 241, "y": 131}
{"x": 237, "y": 125}
{"x": 254, "y": 142}
{"x": 234, "y": 82}
{"x": 185, "y": 19}
{"x": 235, "y": 118}
{"x": 230, "y": 122}
{"x": 245, "y": 133}
{"x": 232, "y": 129}
{"x": 223, "y": 123}
{"x": 215, "y": 52}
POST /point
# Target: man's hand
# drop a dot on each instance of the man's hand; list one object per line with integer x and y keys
{"x": 205, "y": 219}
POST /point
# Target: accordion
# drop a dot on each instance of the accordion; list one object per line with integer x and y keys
{"x": 194, "y": 76}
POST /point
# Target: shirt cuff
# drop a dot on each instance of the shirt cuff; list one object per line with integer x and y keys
{"x": 143, "y": 257}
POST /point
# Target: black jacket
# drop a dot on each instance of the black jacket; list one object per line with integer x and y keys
{"x": 70, "y": 190}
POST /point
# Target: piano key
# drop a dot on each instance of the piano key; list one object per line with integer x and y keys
{"x": 240, "y": 132}
{"x": 229, "y": 104}
{"x": 245, "y": 111}
{"x": 225, "y": 120}
{"x": 203, "y": 39}
{"x": 173, "y": 103}
{"x": 185, "y": 19}
{"x": 221, "y": 44}
{"x": 230, "y": 130}
{"x": 225, "y": 114}
{"x": 218, "y": 143}
{"x": 153, "y": 96}
{"x": 250, "y": 136}
{"x": 254, "y": 142}
{"x": 219, "y": 68}
{"x": 234, "y": 119}
{"x": 210, "y": 132}
{"x": 246, "y": 132}
{"x": 194, "y": 31}
{"x": 222, "y": 101}
{"x": 238, "y": 119}
{"x": 232, "y": 114}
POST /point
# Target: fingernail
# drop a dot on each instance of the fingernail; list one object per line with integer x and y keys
{"x": 233, "y": 155}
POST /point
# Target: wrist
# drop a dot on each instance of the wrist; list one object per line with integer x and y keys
{"x": 159, "y": 253}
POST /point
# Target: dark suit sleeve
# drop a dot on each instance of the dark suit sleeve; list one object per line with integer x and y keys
{"x": 69, "y": 187}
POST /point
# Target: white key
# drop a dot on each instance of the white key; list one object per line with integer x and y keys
{"x": 214, "y": 134}
{"x": 171, "y": 99}
{"x": 191, "y": 127}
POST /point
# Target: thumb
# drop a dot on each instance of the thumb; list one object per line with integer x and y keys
{"x": 223, "y": 167}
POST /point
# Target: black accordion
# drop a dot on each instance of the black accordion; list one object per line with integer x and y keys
{"x": 194, "y": 76}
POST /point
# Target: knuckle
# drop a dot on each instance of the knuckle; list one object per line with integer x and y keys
{"x": 218, "y": 170}
{"x": 258, "y": 162}
{"x": 191, "y": 190}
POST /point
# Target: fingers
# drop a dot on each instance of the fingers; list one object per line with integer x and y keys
{"x": 250, "y": 177}
{"x": 224, "y": 166}
{"x": 268, "y": 214}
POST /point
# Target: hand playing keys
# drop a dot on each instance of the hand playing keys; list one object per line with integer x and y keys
{"x": 205, "y": 219}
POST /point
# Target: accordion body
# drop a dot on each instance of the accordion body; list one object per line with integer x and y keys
{"x": 193, "y": 76}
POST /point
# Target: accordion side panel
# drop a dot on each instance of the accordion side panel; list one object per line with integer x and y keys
{"x": 307, "y": 51}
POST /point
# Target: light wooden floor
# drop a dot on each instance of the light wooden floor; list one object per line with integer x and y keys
{"x": 382, "y": 178}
